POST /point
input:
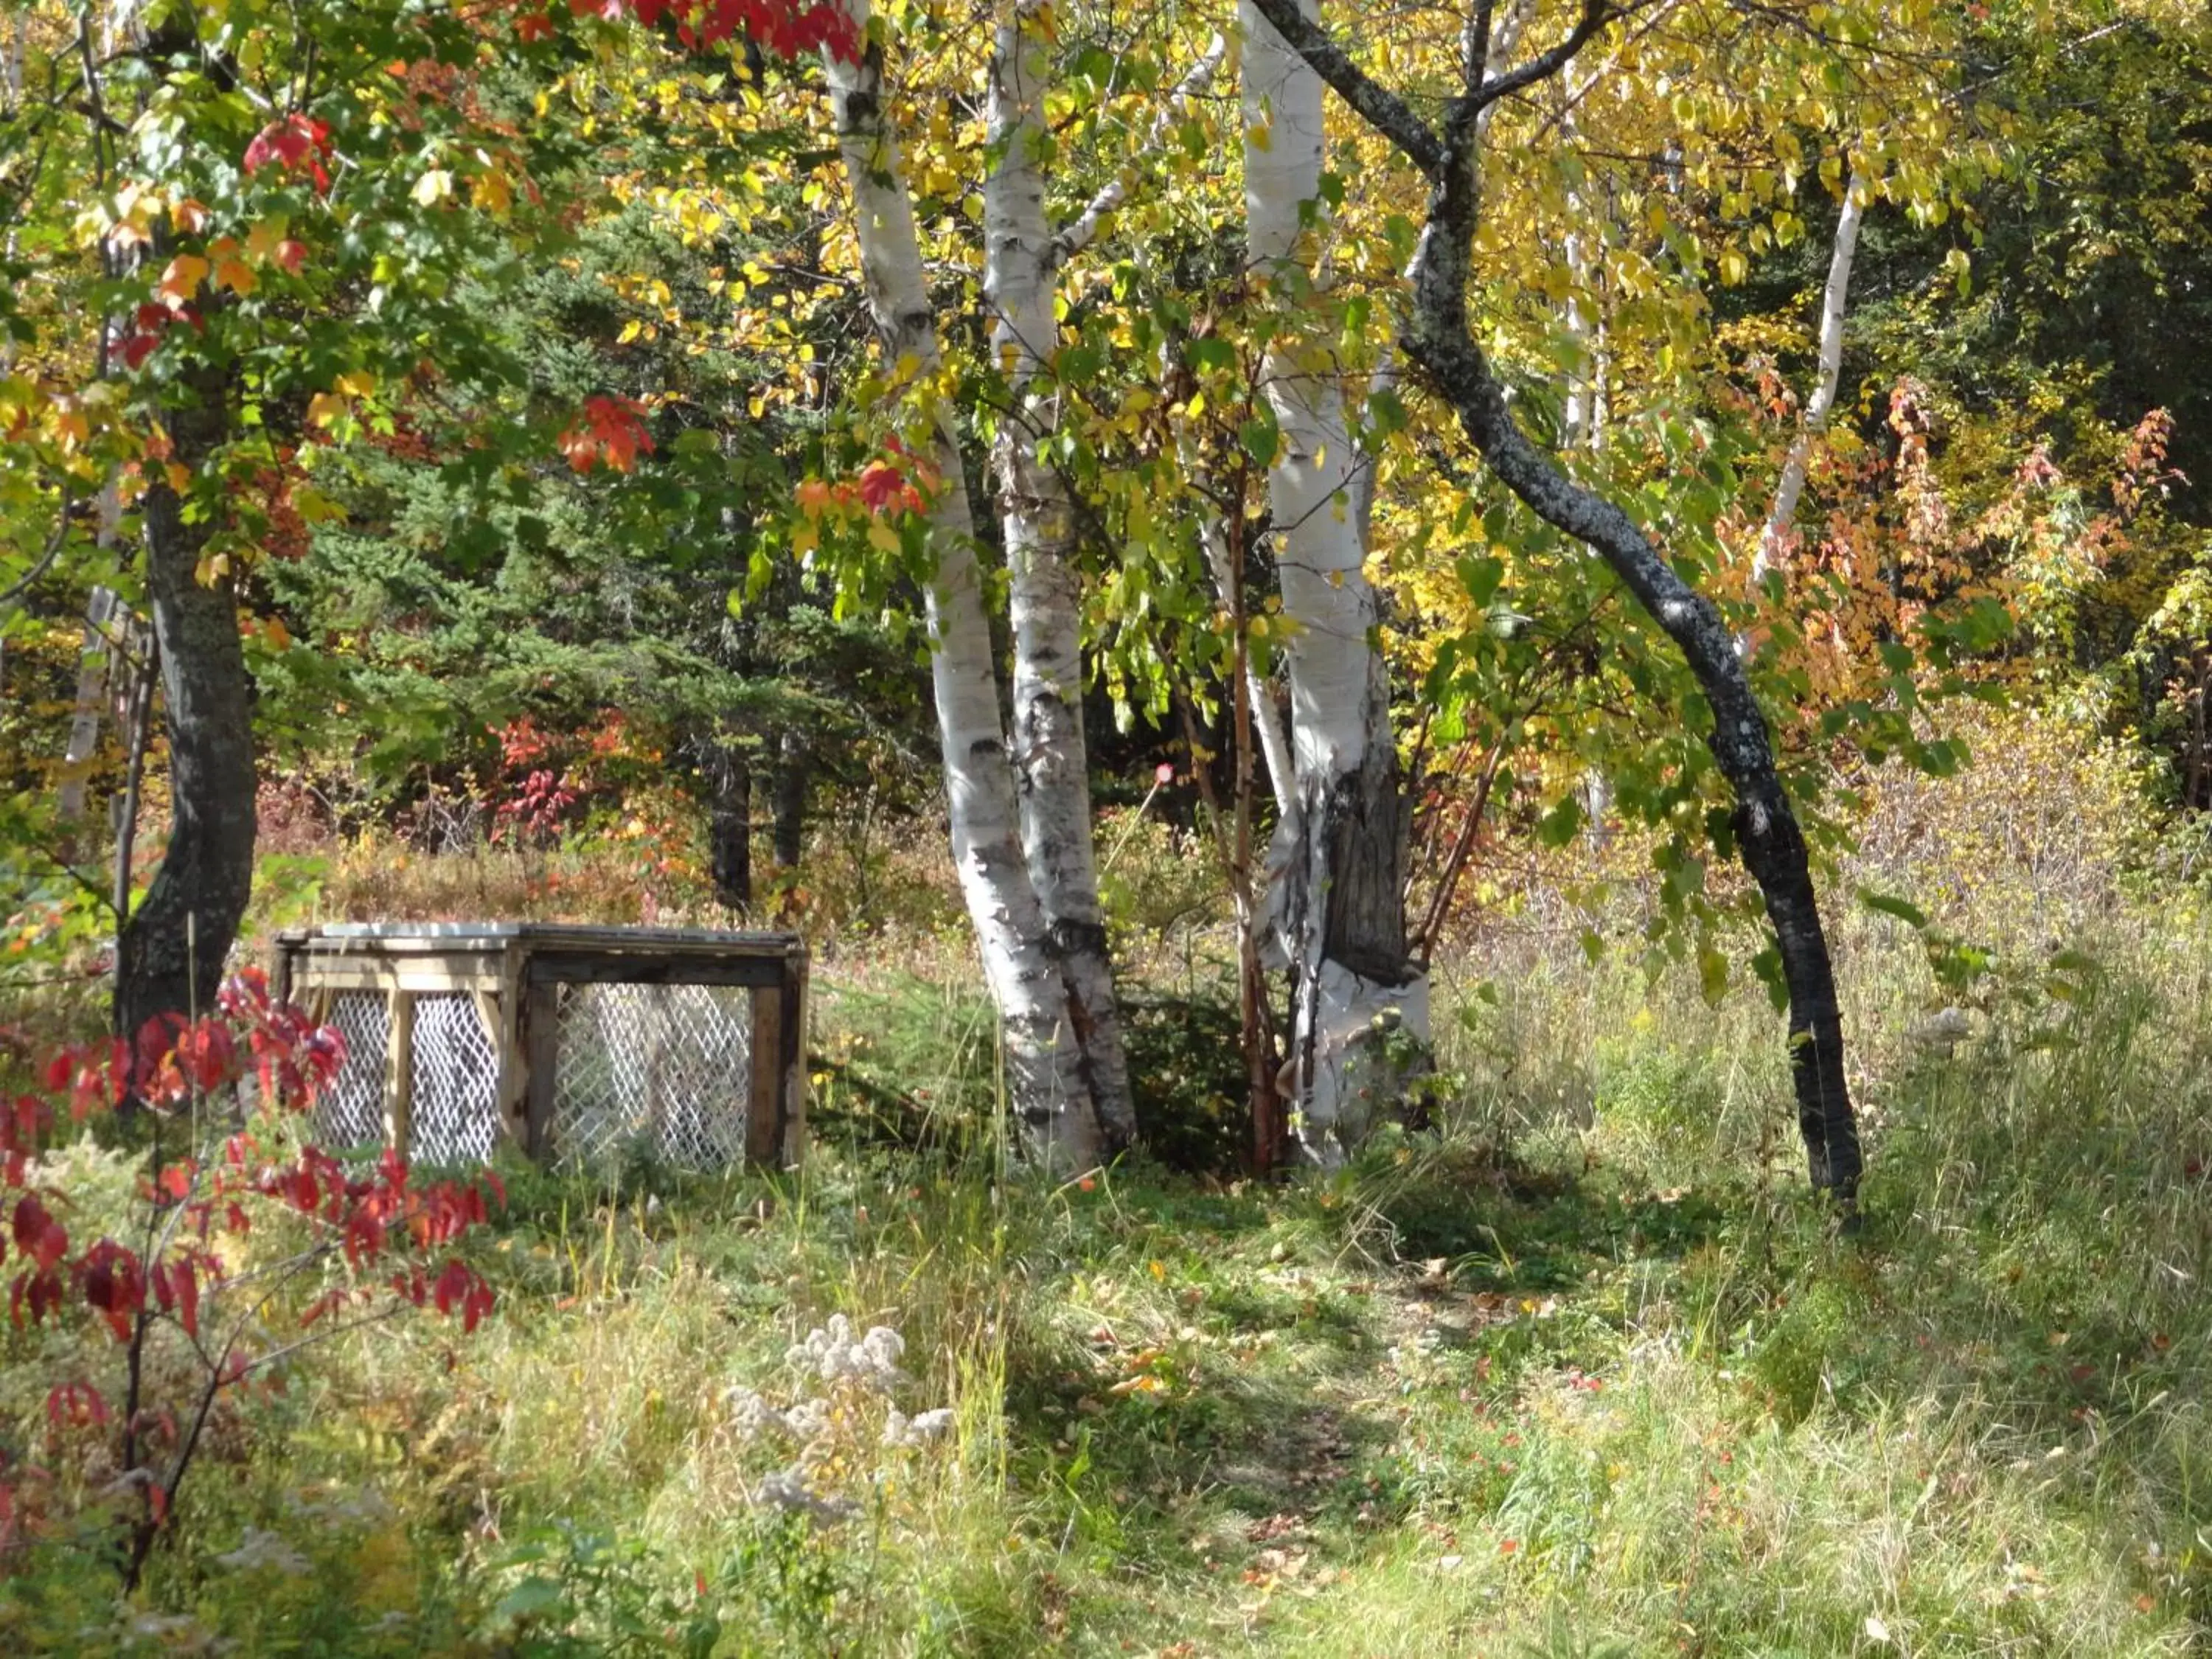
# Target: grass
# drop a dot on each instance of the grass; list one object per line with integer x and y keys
{"x": 1584, "y": 1371}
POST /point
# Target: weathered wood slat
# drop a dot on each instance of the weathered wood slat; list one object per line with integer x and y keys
{"x": 512, "y": 972}
{"x": 576, "y": 967}
{"x": 399, "y": 1073}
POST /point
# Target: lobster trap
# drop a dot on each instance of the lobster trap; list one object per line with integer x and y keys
{"x": 578, "y": 1044}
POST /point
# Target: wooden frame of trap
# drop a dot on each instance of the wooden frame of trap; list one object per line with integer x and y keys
{"x": 567, "y": 1041}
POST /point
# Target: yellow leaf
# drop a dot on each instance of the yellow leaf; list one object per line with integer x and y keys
{"x": 434, "y": 186}
{"x": 356, "y": 383}
{"x": 882, "y": 537}
{"x": 182, "y": 279}
{"x": 325, "y": 409}
{"x": 179, "y": 478}
{"x": 261, "y": 242}
{"x": 237, "y": 276}
{"x": 490, "y": 192}
{"x": 1260, "y": 137}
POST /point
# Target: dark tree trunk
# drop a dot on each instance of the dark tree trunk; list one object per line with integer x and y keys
{"x": 1437, "y": 338}
{"x": 794, "y": 766}
{"x": 729, "y": 827}
{"x": 170, "y": 955}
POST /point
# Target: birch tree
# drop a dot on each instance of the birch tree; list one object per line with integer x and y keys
{"x": 1047, "y": 1088}
{"x": 1835, "y": 296}
{"x": 1038, "y": 524}
{"x": 1439, "y": 337}
{"x": 1336, "y": 904}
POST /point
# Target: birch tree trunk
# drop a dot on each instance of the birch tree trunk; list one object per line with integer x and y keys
{"x": 1045, "y": 1082}
{"x": 1782, "y": 520}
{"x": 1439, "y": 339}
{"x": 1337, "y": 896}
{"x": 1036, "y": 521}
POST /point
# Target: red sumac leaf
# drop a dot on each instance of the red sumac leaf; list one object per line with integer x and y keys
{"x": 114, "y": 1286}
{"x": 75, "y": 1406}
{"x": 38, "y": 1235}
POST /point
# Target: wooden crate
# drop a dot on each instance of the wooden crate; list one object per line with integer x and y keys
{"x": 572, "y": 1043}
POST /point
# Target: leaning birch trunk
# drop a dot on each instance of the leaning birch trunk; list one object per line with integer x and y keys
{"x": 1337, "y": 897}
{"x": 1045, "y": 1084}
{"x": 1438, "y": 338}
{"x": 1045, "y": 593}
{"x": 1266, "y": 719}
{"x": 1782, "y": 521}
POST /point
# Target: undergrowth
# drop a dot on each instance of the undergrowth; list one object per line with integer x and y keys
{"x": 1586, "y": 1372}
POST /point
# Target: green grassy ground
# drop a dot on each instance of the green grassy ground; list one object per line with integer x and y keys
{"x": 1587, "y": 1372}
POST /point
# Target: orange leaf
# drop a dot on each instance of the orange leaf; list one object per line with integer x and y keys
{"x": 182, "y": 279}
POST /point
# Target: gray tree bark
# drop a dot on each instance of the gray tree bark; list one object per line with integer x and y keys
{"x": 171, "y": 953}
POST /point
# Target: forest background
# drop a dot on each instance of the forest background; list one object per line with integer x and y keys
{"x": 469, "y": 461}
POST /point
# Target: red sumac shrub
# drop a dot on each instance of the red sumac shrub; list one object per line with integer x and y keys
{"x": 180, "y": 1310}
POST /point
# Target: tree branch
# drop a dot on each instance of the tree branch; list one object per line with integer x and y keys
{"x": 1383, "y": 110}
{"x": 1596, "y": 14}
{"x": 1077, "y": 235}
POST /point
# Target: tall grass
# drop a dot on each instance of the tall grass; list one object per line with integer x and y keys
{"x": 1584, "y": 1370}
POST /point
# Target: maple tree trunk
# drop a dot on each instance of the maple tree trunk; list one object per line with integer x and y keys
{"x": 1047, "y": 1089}
{"x": 1036, "y": 521}
{"x": 1336, "y": 900}
{"x": 170, "y": 954}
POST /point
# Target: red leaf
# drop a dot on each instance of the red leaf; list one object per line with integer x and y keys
{"x": 114, "y": 1286}
{"x": 38, "y": 1235}
{"x": 329, "y": 1303}
{"x": 76, "y": 1405}
{"x": 177, "y": 1285}
{"x": 294, "y": 142}
{"x": 38, "y": 1294}
{"x": 612, "y": 432}
{"x": 882, "y": 484}
{"x": 206, "y": 1052}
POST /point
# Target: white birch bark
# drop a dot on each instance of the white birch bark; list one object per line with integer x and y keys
{"x": 1336, "y": 899}
{"x": 1037, "y": 523}
{"x": 1045, "y": 1079}
{"x": 1267, "y": 718}
{"x": 1782, "y": 520}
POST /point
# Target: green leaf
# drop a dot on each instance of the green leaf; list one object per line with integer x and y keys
{"x": 1904, "y": 909}
{"x": 1261, "y": 438}
{"x": 1557, "y": 827}
{"x": 1712, "y": 976}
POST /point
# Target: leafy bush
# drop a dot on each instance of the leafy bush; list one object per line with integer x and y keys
{"x": 246, "y": 1243}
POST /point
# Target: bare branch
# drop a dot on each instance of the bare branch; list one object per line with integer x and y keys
{"x": 1596, "y": 14}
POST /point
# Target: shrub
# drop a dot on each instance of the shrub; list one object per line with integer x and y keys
{"x": 237, "y": 1243}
